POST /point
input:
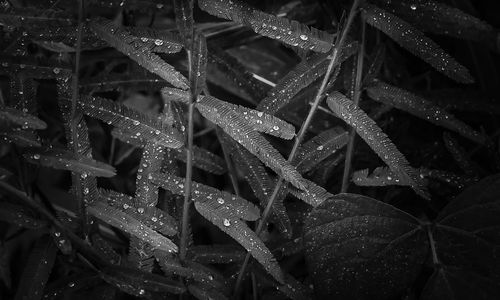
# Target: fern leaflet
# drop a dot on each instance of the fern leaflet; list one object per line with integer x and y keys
{"x": 21, "y": 118}
{"x": 126, "y": 43}
{"x": 287, "y": 31}
{"x": 161, "y": 41}
{"x": 416, "y": 42}
{"x": 377, "y": 140}
{"x": 422, "y": 108}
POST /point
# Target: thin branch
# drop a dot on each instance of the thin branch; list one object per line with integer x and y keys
{"x": 319, "y": 95}
{"x": 356, "y": 98}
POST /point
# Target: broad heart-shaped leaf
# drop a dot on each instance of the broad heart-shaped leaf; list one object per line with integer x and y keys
{"x": 289, "y": 32}
{"x": 128, "y": 44}
{"x": 239, "y": 231}
{"x": 416, "y": 42}
{"x": 377, "y": 140}
{"x": 129, "y": 224}
{"x": 361, "y": 248}
{"x": 300, "y": 77}
{"x": 241, "y": 129}
{"x": 66, "y": 160}
{"x": 148, "y": 127}
{"x": 37, "y": 270}
{"x": 422, "y": 108}
{"x": 467, "y": 240}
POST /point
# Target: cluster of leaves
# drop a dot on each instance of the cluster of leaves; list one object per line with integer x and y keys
{"x": 151, "y": 149}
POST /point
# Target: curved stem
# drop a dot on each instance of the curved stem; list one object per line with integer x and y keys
{"x": 356, "y": 98}
{"x": 319, "y": 95}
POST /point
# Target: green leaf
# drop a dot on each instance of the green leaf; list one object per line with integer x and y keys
{"x": 37, "y": 270}
{"x": 156, "y": 40}
{"x": 422, "y": 108}
{"x": 126, "y": 43}
{"x": 239, "y": 231}
{"x": 216, "y": 254}
{"x": 138, "y": 283}
{"x": 241, "y": 129}
{"x": 202, "y": 292}
{"x": 125, "y": 222}
{"x": 184, "y": 20}
{"x": 26, "y": 120}
{"x": 381, "y": 176}
{"x": 287, "y": 31}
{"x": 198, "y": 71}
{"x": 217, "y": 199}
{"x": 66, "y": 160}
{"x": 377, "y": 140}
{"x": 319, "y": 147}
{"x": 361, "y": 248}
{"x": 145, "y": 126}
{"x": 416, "y": 42}
{"x": 300, "y": 77}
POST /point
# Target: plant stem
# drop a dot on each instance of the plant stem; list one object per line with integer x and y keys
{"x": 356, "y": 98}
{"x": 189, "y": 170}
{"x": 319, "y": 95}
{"x": 432, "y": 243}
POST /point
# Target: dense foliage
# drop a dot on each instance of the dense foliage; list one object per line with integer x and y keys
{"x": 216, "y": 149}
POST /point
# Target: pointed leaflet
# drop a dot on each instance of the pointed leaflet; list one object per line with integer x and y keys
{"x": 184, "y": 20}
{"x": 261, "y": 183}
{"x": 287, "y": 31}
{"x": 145, "y": 126}
{"x": 138, "y": 283}
{"x": 260, "y": 121}
{"x": 381, "y": 176}
{"x": 440, "y": 18}
{"x": 21, "y": 118}
{"x": 319, "y": 147}
{"x": 240, "y": 129}
{"x": 37, "y": 270}
{"x": 216, "y": 254}
{"x": 156, "y": 40}
{"x": 203, "y": 292}
{"x": 125, "y": 222}
{"x": 126, "y": 43}
{"x": 361, "y": 248}
{"x": 298, "y": 78}
{"x": 460, "y": 155}
{"x": 66, "y": 160}
{"x": 220, "y": 200}
{"x": 239, "y": 231}
{"x": 152, "y": 217}
{"x": 227, "y": 72}
{"x": 377, "y": 140}
{"x": 416, "y": 42}
{"x": 422, "y": 108}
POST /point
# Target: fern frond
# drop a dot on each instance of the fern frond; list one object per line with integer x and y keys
{"x": 301, "y": 76}
{"x": 219, "y": 200}
{"x": 231, "y": 72}
{"x": 381, "y": 176}
{"x": 146, "y": 194}
{"x": 287, "y": 31}
{"x": 241, "y": 130}
{"x": 440, "y": 18}
{"x": 416, "y": 42}
{"x": 152, "y": 217}
{"x": 130, "y": 225}
{"x": 21, "y": 118}
{"x": 216, "y": 254}
{"x": 138, "y": 283}
{"x": 204, "y": 160}
{"x": 319, "y": 147}
{"x": 156, "y": 40}
{"x": 37, "y": 271}
{"x": 261, "y": 183}
{"x": 184, "y": 19}
{"x": 65, "y": 160}
{"x": 314, "y": 195}
{"x": 19, "y": 137}
{"x": 239, "y": 231}
{"x": 140, "y": 255}
{"x": 30, "y": 67}
{"x": 126, "y": 43}
{"x": 118, "y": 115}
{"x": 422, "y": 108}
{"x": 368, "y": 130}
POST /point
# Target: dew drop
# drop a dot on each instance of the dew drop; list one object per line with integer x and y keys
{"x": 227, "y": 223}
{"x": 158, "y": 42}
{"x": 260, "y": 114}
{"x": 85, "y": 191}
{"x": 303, "y": 37}
{"x": 413, "y": 7}
{"x": 56, "y": 70}
{"x": 220, "y": 200}
{"x": 125, "y": 206}
{"x": 36, "y": 156}
{"x": 140, "y": 210}
{"x": 320, "y": 147}
{"x": 275, "y": 127}
{"x": 136, "y": 122}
